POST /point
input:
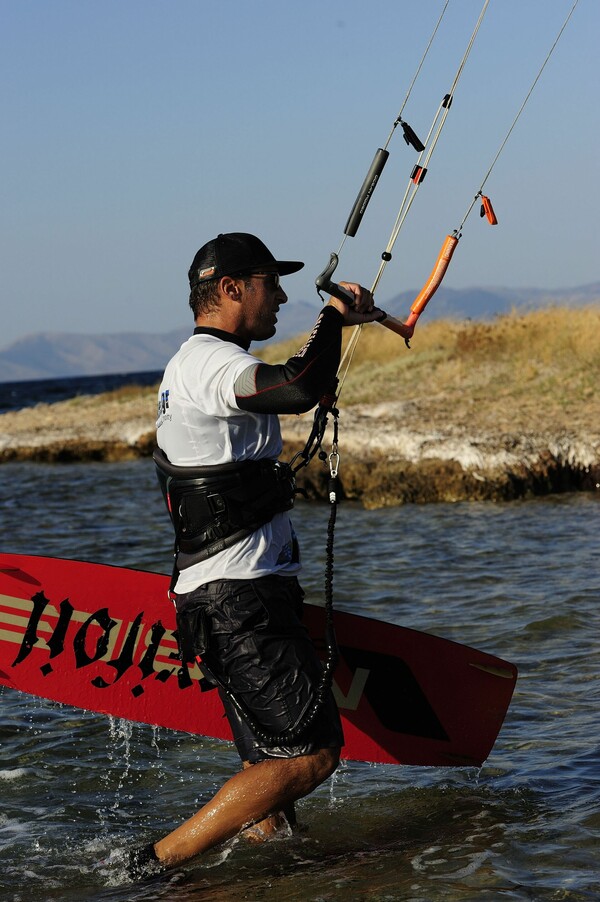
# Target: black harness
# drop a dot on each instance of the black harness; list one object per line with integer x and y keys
{"x": 213, "y": 507}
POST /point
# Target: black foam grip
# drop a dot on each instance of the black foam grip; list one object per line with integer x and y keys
{"x": 364, "y": 196}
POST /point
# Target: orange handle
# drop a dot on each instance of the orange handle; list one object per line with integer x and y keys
{"x": 437, "y": 274}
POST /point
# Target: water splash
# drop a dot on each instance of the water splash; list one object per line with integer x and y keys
{"x": 120, "y": 732}
{"x": 155, "y": 740}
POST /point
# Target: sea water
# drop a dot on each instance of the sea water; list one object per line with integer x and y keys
{"x": 27, "y": 393}
{"x": 520, "y": 580}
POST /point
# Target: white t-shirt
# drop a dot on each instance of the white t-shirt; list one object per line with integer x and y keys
{"x": 200, "y": 424}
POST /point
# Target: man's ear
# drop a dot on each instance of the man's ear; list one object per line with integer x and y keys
{"x": 231, "y": 288}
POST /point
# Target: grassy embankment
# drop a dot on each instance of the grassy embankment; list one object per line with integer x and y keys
{"x": 536, "y": 369}
{"x": 518, "y": 394}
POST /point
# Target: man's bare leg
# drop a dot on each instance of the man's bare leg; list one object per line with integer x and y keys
{"x": 271, "y": 825}
{"x": 247, "y": 798}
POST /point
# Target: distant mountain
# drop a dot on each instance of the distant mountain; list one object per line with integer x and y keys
{"x": 53, "y": 355}
{"x": 484, "y": 303}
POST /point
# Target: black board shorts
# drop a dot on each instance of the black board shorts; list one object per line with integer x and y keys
{"x": 257, "y": 646}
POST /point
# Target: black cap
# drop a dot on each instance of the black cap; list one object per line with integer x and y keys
{"x": 236, "y": 252}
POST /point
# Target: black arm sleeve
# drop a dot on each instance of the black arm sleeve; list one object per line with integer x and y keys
{"x": 296, "y": 386}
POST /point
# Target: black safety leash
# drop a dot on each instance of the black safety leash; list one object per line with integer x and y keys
{"x": 333, "y": 493}
{"x": 313, "y": 446}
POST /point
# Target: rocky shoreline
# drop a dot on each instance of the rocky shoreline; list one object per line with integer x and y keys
{"x": 391, "y": 453}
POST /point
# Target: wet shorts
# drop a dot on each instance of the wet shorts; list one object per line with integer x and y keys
{"x": 258, "y": 647}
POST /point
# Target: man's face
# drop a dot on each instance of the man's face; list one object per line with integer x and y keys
{"x": 263, "y": 296}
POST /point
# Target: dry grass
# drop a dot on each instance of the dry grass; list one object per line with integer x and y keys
{"x": 534, "y": 350}
{"x": 122, "y": 395}
{"x": 541, "y": 366}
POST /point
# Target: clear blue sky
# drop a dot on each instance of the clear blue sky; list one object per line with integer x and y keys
{"x": 134, "y": 130}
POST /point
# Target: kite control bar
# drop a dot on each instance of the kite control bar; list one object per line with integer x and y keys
{"x": 324, "y": 283}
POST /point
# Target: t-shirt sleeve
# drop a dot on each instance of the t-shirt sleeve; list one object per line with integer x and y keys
{"x": 210, "y": 384}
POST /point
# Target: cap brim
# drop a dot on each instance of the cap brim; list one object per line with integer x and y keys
{"x": 284, "y": 267}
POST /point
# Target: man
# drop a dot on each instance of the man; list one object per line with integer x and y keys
{"x": 235, "y": 587}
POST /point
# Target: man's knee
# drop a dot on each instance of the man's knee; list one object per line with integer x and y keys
{"x": 297, "y": 777}
{"x": 321, "y": 765}
{"x": 331, "y": 759}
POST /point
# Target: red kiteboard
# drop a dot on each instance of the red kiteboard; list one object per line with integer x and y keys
{"x": 102, "y": 638}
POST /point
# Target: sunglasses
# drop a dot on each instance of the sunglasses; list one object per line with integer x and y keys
{"x": 271, "y": 278}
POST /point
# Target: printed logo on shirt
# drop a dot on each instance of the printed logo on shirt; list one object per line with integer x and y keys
{"x": 163, "y": 407}
{"x": 163, "y": 402}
